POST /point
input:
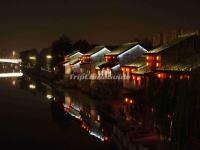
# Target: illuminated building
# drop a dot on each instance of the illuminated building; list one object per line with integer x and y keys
{"x": 72, "y": 63}
{"x": 175, "y": 59}
{"x": 92, "y": 59}
{"x": 123, "y": 54}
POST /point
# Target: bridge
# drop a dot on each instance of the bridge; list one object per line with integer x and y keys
{"x": 14, "y": 61}
{"x": 10, "y": 75}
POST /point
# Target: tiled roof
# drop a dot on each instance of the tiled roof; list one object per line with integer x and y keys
{"x": 138, "y": 62}
{"x": 74, "y": 59}
{"x": 108, "y": 64}
{"x": 171, "y": 44}
{"x": 122, "y": 48}
{"x": 95, "y": 50}
{"x": 73, "y": 53}
{"x": 97, "y": 65}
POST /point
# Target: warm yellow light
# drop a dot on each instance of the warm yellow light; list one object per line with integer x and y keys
{"x": 157, "y": 57}
{"x": 132, "y": 70}
{"x": 147, "y": 64}
{"x": 49, "y": 57}
{"x": 138, "y": 78}
{"x": 126, "y": 100}
{"x": 32, "y": 86}
{"x": 127, "y": 69}
{"x": 49, "y": 96}
{"x": 13, "y": 53}
{"x": 98, "y": 117}
{"x": 157, "y": 64}
{"x": 147, "y": 57}
{"x": 13, "y": 82}
{"x": 32, "y": 58}
{"x": 159, "y": 75}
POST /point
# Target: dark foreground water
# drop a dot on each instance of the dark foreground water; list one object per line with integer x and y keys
{"x": 29, "y": 120}
{"x": 36, "y": 115}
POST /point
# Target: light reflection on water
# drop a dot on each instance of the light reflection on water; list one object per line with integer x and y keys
{"x": 142, "y": 116}
{"x": 75, "y": 104}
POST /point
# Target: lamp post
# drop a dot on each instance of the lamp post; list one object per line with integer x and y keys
{"x": 13, "y": 53}
{"x": 48, "y": 58}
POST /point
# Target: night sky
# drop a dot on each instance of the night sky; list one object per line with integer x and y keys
{"x": 34, "y": 24}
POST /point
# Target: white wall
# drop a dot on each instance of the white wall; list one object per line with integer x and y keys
{"x": 131, "y": 54}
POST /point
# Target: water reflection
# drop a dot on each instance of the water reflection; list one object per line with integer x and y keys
{"x": 73, "y": 104}
{"x": 152, "y": 118}
{"x": 58, "y": 114}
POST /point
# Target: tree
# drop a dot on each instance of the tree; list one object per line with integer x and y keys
{"x": 82, "y": 46}
{"x": 60, "y": 48}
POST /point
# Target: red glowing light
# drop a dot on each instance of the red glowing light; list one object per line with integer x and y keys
{"x": 138, "y": 78}
{"x": 131, "y": 101}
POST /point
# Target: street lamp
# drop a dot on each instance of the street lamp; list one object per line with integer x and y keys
{"x": 49, "y": 57}
{"x": 32, "y": 58}
{"x": 13, "y": 53}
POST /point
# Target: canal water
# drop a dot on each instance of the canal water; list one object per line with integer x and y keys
{"x": 32, "y": 118}
{"x": 36, "y": 115}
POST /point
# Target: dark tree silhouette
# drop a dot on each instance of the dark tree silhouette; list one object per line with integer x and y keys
{"x": 82, "y": 46}
{"x": 60, "y": 48}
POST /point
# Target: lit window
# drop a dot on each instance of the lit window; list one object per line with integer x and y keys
{"x": 132, "y": 70}
{"x": 159, "y": 75}
{"x": 133, "y": 77}
{"x": 131, "y": 101}
{"x": 98, "y": 117}
{"x": 126, "y": 100}
{"x": 127, "y": 69}
{"x": 138, "y": 78}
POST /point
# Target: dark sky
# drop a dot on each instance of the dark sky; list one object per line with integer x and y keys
{"x": 31, "y": 23}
